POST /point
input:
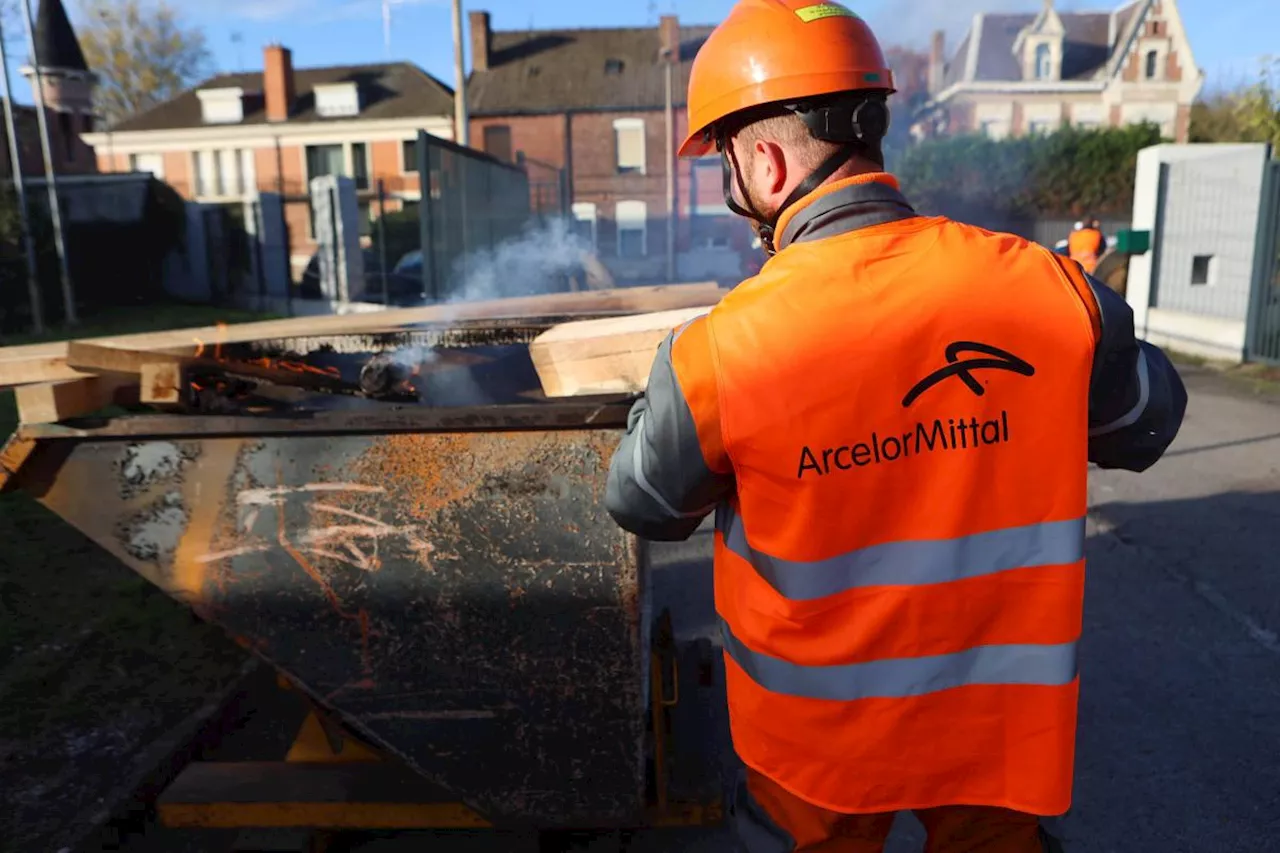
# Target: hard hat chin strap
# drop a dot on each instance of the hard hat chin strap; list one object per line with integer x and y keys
{"x": 768, "y": 224}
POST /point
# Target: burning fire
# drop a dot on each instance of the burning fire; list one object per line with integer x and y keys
{"x": 295, "y": 367}
{"x": 238, "y": 390}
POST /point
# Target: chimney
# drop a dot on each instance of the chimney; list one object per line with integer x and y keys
{"x": 937, "y": 61}
{"x": 669, "y": 37}
{"x": 277, "y": 81}
{"x": 481, "y": 41}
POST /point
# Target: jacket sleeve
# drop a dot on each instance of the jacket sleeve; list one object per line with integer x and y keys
{"x": 1136, "y": 398}
{"x": 671, "y": 469}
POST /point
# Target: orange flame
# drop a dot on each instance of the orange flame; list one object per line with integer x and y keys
{"x": 199, "y": 347}
{"x": 222, "y": 336}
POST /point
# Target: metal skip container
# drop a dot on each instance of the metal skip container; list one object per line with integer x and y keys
{"x": 443, "y": 578}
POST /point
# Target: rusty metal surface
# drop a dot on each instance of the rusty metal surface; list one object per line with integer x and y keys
{"x": 460, "y": 598}
{"x": 578, "y": 413}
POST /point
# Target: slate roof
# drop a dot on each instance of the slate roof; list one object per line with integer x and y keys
{"x": 551, "y": 71}
{"x": 56, "y": 42}
{"x": 1087, "y": 48}
{"x": 388, "y": 91}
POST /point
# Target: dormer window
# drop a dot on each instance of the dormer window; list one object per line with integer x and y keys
{"x": 613, "y": 66}
{"x": 337, "y": 100}
{"x": 221, "y": 106}
{"x": 1044, "y": 62}
{"x": 1153, "y": 64}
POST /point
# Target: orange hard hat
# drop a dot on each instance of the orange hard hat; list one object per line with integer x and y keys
{"x": 779, "y": 50}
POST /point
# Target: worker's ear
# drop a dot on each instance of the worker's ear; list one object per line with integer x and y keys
{"x": 770, "y": 167}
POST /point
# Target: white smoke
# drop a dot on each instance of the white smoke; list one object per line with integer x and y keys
{"x": 539, "y": 260}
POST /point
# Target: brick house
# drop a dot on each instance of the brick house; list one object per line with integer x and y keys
{"x": 67, "y": 87}
{"x": 592, "y": 102}
{"x": 1018, "y": 74}
{"x": 234, "y": 135}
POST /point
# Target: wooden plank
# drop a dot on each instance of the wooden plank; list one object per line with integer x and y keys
{"x": 607, "y": 356}
{"x": 160, "y": 383}
{"x": 95, "y": 358}
{"x": 51, "y": 402}
{"x": 48, "y": 362}
{"x": 12, "y": 456}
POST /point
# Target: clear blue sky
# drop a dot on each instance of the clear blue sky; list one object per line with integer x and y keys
{"x": 1228, "y": 36}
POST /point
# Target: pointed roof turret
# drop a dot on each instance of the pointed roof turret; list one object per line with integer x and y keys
{"x": 57, "y": 47}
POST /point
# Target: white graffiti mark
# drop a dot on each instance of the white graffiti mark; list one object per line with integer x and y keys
{"x": 266, "y": 497}
{"x": 356, "y": 545}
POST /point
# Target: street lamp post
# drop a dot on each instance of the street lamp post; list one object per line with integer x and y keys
{"x": 20, "y": 190}
{"x": 51, "y": 180}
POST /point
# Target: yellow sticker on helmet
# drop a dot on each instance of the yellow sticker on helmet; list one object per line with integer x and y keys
{"x": 818, "y": 11}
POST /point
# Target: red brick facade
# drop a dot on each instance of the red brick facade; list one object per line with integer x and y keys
{"x": 584, "y": 145}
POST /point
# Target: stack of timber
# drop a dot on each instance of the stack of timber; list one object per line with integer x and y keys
{"x": 67, "y": 379}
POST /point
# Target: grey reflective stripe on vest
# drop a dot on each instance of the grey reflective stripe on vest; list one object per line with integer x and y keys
{"x": 890, "y": 678}
{"x": 910, "y": 563}
{"x": 845, "y": 210}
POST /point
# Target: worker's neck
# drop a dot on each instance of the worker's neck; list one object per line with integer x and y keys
{"x": 855, "y": 167}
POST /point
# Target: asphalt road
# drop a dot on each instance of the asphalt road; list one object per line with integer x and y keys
{"x": 1179, "y": 732}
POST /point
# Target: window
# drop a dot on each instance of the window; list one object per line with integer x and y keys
{"x": 628, "y": 134}
{"x": 228, "y": 173}
{"x": 994, "y": 128}
{"x": 1039, "y": 126}
{"x": 1202, "y": 268}
{"x": 336, "y": 100}
{"x": 248, "y": 172}
{"x": 153, "y": 163}
{"x": 1153, "y": 64}
{"x": 497, "y": 142}
{"x": 360, "y": 165}
{"x": 325, "y": 160}
{"x": 67, "y": 130}
{"x": 584, "y": 222}
{"x": 613, "y": 66}
{"x": 631, "y": 217}
{"x": 206, "y": 173}
{"x": 221, "y": 106}
{"x": 1044, "y": 62}
{"x": 409, "y": 152}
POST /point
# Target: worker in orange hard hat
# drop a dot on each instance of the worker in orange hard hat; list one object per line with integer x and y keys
{"x": 892, "y": 421}
{"x": 1086, "y": 244}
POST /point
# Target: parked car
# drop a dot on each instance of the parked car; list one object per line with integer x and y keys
{"x": 403, "y": 284}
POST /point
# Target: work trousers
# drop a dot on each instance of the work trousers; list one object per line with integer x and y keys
{"x": 770, "y": 819}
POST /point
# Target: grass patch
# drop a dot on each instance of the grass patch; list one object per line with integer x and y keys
{"x": 95, "y": 663}
{"x": 1254, "y": 379}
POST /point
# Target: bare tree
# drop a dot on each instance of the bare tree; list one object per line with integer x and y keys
{"x": 143, "y": 51}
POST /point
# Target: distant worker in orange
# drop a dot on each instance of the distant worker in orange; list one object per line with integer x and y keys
{"x": 893, "y": 422}
{"x": 1086, "y": 244}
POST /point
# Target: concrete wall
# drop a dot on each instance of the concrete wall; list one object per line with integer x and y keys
{"x": 1193, "y": 290}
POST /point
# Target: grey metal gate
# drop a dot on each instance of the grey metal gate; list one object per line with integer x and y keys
{"x": 1263, "y": 342}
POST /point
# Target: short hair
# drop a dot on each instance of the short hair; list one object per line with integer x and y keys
{"x": 790, "y": 131}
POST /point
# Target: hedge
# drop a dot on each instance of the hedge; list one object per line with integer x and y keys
{"x": 1070, "y": 172}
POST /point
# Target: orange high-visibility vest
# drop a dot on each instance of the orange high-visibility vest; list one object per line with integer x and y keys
{"x": 900, "y": 575}
{"x": 1084, "y": 247}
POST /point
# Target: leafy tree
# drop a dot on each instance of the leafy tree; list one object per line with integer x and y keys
{"x": 1072, "y": 171}
{"x": 1259, "y": 104}
{"x": 143, "y": 51}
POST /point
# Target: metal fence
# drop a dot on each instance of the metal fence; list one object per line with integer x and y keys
{"x": 471, "y": 203}
{"x": 1264, "y": 321}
